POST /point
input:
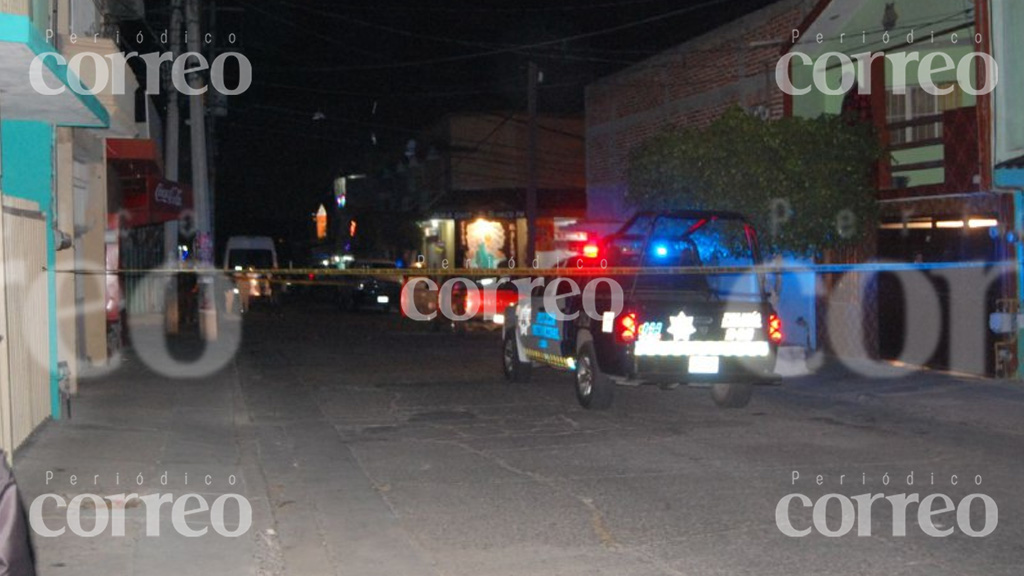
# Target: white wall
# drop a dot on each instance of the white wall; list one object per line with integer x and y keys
{"x": 1007, "y": 23}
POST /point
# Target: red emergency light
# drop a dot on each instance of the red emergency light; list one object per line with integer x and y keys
{"x": 628, "y": 327}
{"x": 775, "y": 329}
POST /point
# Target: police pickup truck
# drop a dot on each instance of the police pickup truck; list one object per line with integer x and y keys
{"x": 671, "y": 298}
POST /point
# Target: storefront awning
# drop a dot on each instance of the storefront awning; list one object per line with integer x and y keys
{"x": 120, "y": 104}
{"x": 141, "y": 193}
{"x": 20, "y": 43}
{"x": 138, "y": 150}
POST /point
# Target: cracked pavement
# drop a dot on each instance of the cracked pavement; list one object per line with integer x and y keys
{"x": 370, "y": 445}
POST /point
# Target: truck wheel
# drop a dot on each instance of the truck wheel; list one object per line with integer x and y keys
{"x": 515, "y": 369}
{"x": 731, "y": 395}
{"x": 594, "y": 390}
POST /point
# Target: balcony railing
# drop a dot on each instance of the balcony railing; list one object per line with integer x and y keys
{"x": 958, "y": 157}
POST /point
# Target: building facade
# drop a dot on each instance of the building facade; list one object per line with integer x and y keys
{"x": 55, "y": 204}
{"x": 473, "y": 186}
{"x": 1007, "y": 18}
{"x": 689, "y": 85}
{"x": 30, "y": 129}
{"x": 937, "y": 168}
{"x": 923, "y": 89}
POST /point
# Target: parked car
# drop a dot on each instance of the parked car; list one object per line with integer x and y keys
{"x": 378, "y": 288}
{"x": 679, "y": 321}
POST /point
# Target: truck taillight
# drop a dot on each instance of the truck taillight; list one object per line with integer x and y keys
{"x": 775, "y": 329}
{"x": 505, "y": 298}
{"x": 627, "y": 327}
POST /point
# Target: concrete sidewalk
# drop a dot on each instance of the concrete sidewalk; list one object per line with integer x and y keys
{"x": 136, "y": 432}
{"x": 911, "y": 393}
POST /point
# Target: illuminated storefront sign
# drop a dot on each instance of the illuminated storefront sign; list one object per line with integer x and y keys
{"x": 485, "y": 244}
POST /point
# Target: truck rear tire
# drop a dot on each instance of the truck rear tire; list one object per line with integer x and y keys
{"x": 515, "y": 369}
{"x": 594, "y": 390}
{"x": 732, "y": 395}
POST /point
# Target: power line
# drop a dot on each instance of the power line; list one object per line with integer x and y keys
{"x": 471, "y": 156}
{"x": 501, "y": 161}
{"x": 445, "y": 39}
{"x": 451, "y": 165}
{"x": 275, "y": 130}
{"x": 324, "y": 37}
{"x": 393, "y": 30}
{"x": 510, "y": 117}
{"x": 307, "y": 114}
{"x": 500, "y": 10}
{"x": 553, "y": 130}
{"x": 458, "y": 147}
{"x": 513, "y": 49}
{"x": 426, "y": 94}
{"x": 521, "y": 148}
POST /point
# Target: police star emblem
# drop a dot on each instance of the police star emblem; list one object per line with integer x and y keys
{"x": 681, "y": 327}
{"x": 523, "y": 316}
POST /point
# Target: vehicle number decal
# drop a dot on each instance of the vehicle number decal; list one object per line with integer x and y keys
{"x": 651, "y": 330}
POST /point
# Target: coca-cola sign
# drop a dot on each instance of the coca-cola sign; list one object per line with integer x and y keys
{"x": 169, "y": 194}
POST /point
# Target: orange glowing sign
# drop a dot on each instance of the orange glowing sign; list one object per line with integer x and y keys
{"x": 321, "y": 223}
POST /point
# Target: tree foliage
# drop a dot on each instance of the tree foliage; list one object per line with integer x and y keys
{"x": 806, "y": 184}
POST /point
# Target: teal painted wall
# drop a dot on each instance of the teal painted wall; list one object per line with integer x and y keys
{"x": 1008, "y": 178}
{"x": 40, "y": 11}
{"x": 27, "y": 149}
{"x": 28, "y": 161}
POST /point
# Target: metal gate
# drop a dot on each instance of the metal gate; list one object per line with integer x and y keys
{"x": 143, "y": 249}
{"x": 25, "y": 378}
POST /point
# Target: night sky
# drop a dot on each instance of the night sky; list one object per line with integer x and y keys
{"x": 381, "y": 71}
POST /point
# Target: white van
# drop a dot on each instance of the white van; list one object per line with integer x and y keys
{"x": 245, "y": 257}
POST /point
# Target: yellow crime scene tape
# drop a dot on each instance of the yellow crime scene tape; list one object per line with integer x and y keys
{"x": 296, "y": 275}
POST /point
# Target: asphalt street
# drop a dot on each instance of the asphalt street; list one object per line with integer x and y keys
{"x": 368, "y": 444}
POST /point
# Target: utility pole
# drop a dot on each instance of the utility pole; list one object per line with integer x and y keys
{"x": 173, "y": 116}
{"x": 172, "y": 147}
{"x": 531, "y": 166}
{"x": 212, "y": 127}
{"x": 200, "y": 186}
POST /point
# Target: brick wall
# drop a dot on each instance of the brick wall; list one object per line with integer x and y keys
{"x": 689, "y": 85}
